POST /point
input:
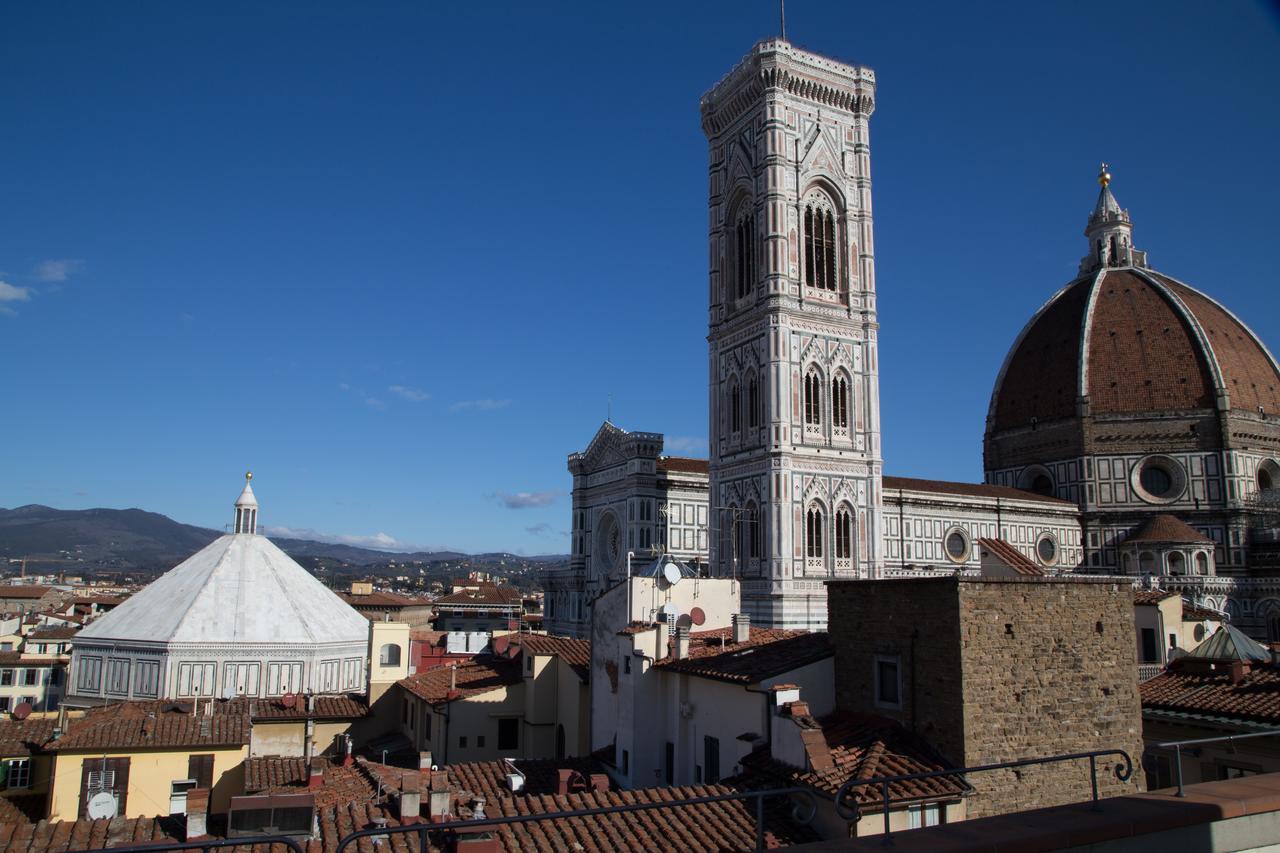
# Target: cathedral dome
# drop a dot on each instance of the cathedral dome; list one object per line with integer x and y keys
{"x": 1123, "y": 339}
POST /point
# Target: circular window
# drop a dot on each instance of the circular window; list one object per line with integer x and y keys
{"x": 608, "y": 543}
{"x": 1047, "y": 549}
{"x": 1159, "y": 479}
{"x": 957, "y": 545}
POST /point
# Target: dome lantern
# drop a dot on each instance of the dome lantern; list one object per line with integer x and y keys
{"x": 246, "y": 516}
{"x": 1110, "y": 232}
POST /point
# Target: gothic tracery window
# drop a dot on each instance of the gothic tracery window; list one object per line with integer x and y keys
{"x": 813, "y": 528}
{"x": 753, "y": 402}
{"x": 844, "y": 534}
{"x": 753, "y": 531}
{"x": 840, "y": 403}
{"x": 812, "y": 400}
{"x": 735, "y": 406}
{"x": 819, "y": 247}
{"x": 744, "y": 267}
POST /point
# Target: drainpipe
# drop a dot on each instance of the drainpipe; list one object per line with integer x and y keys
{"x": 630, "y": 554}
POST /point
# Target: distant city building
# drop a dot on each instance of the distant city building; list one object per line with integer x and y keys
{"x": 378, "y": 605}
{"x": 238, "y": 618}
{"x": 479, "y": 607}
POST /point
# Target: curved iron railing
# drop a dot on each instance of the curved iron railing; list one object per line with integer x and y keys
{"x": 848, "y": 808}
{"x": 205, "y": 845}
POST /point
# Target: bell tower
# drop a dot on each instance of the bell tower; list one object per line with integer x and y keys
{"x": 795, "y": 477}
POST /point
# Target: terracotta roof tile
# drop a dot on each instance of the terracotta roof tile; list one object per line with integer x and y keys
{"x": 486, "y": 595}
{"x": 575, "y": 653}
{"x": 683, "y": 464}
{"x": 23, "y": 737}
{"x": 54, "y": 632}
{"x": 863, "y": 746}
{"x": 977, "y": 490}
{"x": 542, "y": 776}
{"x": 151, "y": 725}
{"x": 1151, "y": 596}
{"x": 767, "y": 652}
{"x": 477, "y": 675}
{"x": 1256, "y": 698}
{"x": 23, "y": 591}
{"x": 326, "y": 707}
{"x": 1168, "y": 528}
{"x": 1011, "y": 557}
{"x": 379, "y": 598}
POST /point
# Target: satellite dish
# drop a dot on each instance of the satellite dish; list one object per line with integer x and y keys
{"x": 671, "y": 572}
{"x": 685, "y": 621}
{"x": 697, "y": 616}
{"x": 102, "y": 806}
{"x": 22, "y": 711}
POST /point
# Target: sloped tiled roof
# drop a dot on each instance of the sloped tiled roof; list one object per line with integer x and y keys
{"x": 327, "y": 707}
{"x": 863, "y": 746}
{"x": 1168, "y": 528}
{"x": 23, "y": 737}
{"x": 23, "y": 591}
{"x": 541, "y": 776}
{"x": 1256, "y": 698}
{"x": 1151, "y": 596}
{"x": 486, "y": 595}
{"x": 478, "y": 675}
{"x": 340, "y": 783}
{"x": 683, "y": 464}
{"x": 53, "y": 632}
{"x": 768, "y": 652}
{"x": 273, "y": 771}
{"x": 575, "y": 653}
{"x": 977, "y": 490}
{"x": 151, "y": 725}
{"x": 1194, "y": 613}
{"x": 379, "y": 598}
{"x": 1011, "y": 557}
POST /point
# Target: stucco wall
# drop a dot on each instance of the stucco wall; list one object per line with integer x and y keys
{"x": 151, "y": 774}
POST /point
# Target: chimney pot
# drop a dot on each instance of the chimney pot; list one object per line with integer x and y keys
{"x": 424, "y": 760}
{"x": 741, "y": 628}
{"x": 315, "y": 778}
{"x": 197, "y": 814}
{"x": 600, "y": 783}
{"x": 410, "y": 796}
{"x": 682, "y": 642}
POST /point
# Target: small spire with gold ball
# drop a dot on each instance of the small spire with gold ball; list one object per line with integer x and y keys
{"x": 1104, "y": 175}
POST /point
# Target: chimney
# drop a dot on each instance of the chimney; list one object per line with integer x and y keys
{"x": 816, "y": 750}
{"x": 741, "y": 628}
{"x": 563, "y": 777}
{"x": 1239, "y": 669}
{"x": 784, "y": 694}
{"x": 1275, "y": 653}
{"x": 682, "y": 642}
{"x": 424, "y": 760}
{"x": 197, "y": 814}
{"x": 410, "y": 796}
{"x": 600, "y": 783}
{"x": 315, "y": 778}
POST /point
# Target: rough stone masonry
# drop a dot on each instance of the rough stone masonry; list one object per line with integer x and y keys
{"x": 998, "y": 669}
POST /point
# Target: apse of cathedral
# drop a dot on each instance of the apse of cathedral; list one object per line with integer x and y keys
{"x": 1132, "y": 429}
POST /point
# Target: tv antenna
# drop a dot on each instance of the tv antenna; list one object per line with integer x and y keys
{"x": 782, "y": 16}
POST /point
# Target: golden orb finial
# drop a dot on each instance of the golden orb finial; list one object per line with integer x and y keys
{"x": 1104, "y": 176}
{"x": 248, "y": 475}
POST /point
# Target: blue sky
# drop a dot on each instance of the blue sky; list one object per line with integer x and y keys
{"x": 396, "y": 257}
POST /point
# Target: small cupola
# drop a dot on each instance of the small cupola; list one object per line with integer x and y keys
{"x": 246, "y": 520}
{"x": 1110, "y": 232}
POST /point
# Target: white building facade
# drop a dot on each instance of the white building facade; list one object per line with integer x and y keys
{"x": 794, "y": 381}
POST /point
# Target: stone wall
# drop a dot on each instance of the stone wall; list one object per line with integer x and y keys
{"x": 998, "y": 669}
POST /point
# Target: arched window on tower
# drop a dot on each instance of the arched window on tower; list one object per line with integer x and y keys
{"x": 814, "y": 527}
{"x": 735, "y": 407}
{"x": 844, "y": 538}
{"x": 752, "y": 522}
{"x": 753, "y": 401}
{"x": 744, "y": 255}
{"x": 819, "y": 247}
{"x": 840, "y": 404}
{"x": 812, "y": 402}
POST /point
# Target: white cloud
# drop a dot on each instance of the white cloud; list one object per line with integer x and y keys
{"x": 415, "y": 395}
{"x": 526, "y": 500}
{"x": 684, "y": 444}
{"x": 481, "y": 405}
{"x": 12, "y": 293}
{"x": 57, "y": 270}
{"x": 342, "y": 386}
{"x": 374, "y": 403}
{"x": 378, "y": 541}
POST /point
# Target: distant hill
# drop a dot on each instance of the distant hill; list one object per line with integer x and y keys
{"x": 134, "y": 538}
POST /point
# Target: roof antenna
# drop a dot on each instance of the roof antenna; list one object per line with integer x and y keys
{"x": 608, "y": 412}
{"x": 782, "y": 14}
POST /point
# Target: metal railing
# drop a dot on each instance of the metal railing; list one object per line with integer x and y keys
{"x": 1177, "y": 745}
{"x": 801, "y": 813}
{"x": 1123, "y": 771}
